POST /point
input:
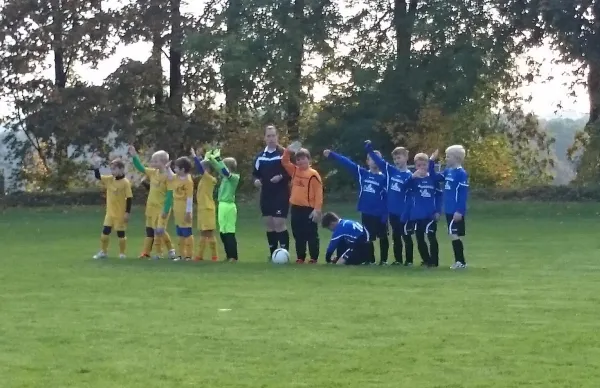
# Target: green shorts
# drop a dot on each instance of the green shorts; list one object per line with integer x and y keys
{"x": 227, "y": 216}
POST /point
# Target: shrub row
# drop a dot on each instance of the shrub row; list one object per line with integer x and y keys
{"x": 97, "y": 197}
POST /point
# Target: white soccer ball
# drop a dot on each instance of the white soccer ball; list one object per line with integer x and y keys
{"x": 280, "y": 256}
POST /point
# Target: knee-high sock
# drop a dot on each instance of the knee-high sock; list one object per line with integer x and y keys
{"x": 408, "y": 248}
{"x": 233, "y": 246}
{"x": 384, "y": 247}
{"x": 212, "y": 246}
{"x": 182, "y": 247}
{"x": 104, "y": 240}
{"x": 397, "y": 240}
{"x": 122, "y": 245}
{"x": 422, "y": 247}
{"x": 158, "y": 244}
{"x": 201, "y": 247}
{"x": 434, "y": 249}
{"x": 167, "y": 240}
{"x": 225, "y": 245}
{"x": 284, "y": 239}
{"x": 189, "y": 246}
{"x": 459, "y": 251}
{"x": 147, "y": 249}
{"x": 272, "y": 240}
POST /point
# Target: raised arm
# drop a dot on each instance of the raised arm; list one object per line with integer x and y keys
{"x": 286, "y": 162}
{"x": 198, "y": 164}
{"x": 379, "y": 161}
{"x": 217, "y": 163}
{"x": 352, "y": 167}
{"x": 137, "y": 163}
{"x": 462, "y": 192}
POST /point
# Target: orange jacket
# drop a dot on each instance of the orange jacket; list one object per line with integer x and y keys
{"x": 307, "y": 187}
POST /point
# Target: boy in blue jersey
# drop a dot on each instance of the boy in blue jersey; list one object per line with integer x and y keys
{"x": 352, "y": 235}
{"x": 424, "y": 209}
{"x": 371, "y": 202}
{"x": 396, "y": 177}
{"x": 456, "y": 191}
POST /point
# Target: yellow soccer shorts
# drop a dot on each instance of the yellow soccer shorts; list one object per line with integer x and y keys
{"x": 154, "y": 218}
{"x": 207, "y": 219}
{"x": 179, "y": 215}
{"x": 116, "y": 223}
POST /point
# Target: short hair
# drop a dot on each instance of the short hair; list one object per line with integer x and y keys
{"x": 117, "y": 163}
{"x": 184, "y": 164}
{"x": 400, "y": 151}
{"x": 207, "y": 166}
{"x": 328, "y": 219}
{"x": 457, "y": 150}
{"x": 270, "y": 126}
{"x": 231, "y": 163}
{"x": 421, "y": 157}
{"x": 303, "y": 153}
{"x": 162, "y": 155}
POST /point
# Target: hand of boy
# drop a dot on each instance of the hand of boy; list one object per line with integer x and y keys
{"x": 277, "y": 178}
{"x": 315, "y": 216}
{"x": 326, "y": 153}
{"x": 132, "y": 151}
{"x": 193, "y": 152}
{"x": 435, "y": 155}
{"x": 188, "y": 217}
{"x": 457, "y": 217}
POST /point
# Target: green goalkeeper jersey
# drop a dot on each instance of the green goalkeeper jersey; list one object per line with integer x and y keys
{"x": 228, "y": 188}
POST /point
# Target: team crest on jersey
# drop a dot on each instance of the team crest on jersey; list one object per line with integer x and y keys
{"x": 425, "y": 193}
{"x": 395, "y": 187}
{"x": 369, "y": 188}
{"x": 447, "y": 186}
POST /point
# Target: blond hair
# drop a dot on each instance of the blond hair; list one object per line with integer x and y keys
{"x": 421, "y": 157}
{"x": 400, "y": 151}
{"x": 231, "y": 163}
{"x": 161, "y": 155}
{"x": 457, "y": 150}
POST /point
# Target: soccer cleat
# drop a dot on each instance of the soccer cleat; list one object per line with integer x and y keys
{"x": 198, "y": 258}
{"x": 178, "y": 258}
{"x": 458, "y": 265}
{"x": 300, "y": 261}
{"x": 144, "y": 256}
{"x": 156, "y": 257}
{"x": 188, "y": 259}
{"x": 383, "y": 263}
{"x": 312, "y": 261}
{"x": 172, "y": 255}
{"x": 408, "y": 264}
{"x": 214, "y": 258}
{"x": 232, "y": 260}
{"x": 99, "y": 255}
{"x": 122, "y": 256}
{"x": 397, "y": 262}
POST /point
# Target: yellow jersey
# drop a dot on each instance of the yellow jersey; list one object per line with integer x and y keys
{"x": 183, "y": 188}
{"x": 205, "y": 197}
{"x": 158, "y": 187}
{"x": 117, "y": 192}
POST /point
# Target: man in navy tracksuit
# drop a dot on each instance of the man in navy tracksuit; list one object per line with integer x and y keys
{"x": 424, "y": 210}
{"x": 371, "y": 202}
{"x": 396, "y": 177}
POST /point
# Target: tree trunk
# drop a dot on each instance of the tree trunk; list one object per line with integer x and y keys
{"x": 296, "y": 33}
{"x": 404, "y": 19}
{"x": 156, "y": 59}
{"x": 231, "y": 77}
{"x": 175, "y": 87}
{"x": 60, "y": 76}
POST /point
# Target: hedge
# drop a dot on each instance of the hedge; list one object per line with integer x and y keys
{"x": 97, "y": 197}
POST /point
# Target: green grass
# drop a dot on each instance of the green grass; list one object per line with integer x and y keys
{"x": 525, "y": 314}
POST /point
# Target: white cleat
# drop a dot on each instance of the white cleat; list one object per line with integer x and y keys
{"x": 172, "y": 254}
{"x": 99, "y": 255}
{"x": 179, "y": 258}
{"x": 122, "y": 256}
{"x": 156, "y": 257}
{"x": 458, "y": 265}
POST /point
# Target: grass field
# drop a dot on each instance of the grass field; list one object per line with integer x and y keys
{"x": 525, "y": 314}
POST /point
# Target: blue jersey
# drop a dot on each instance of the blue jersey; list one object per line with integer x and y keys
{"x": 425, "y": 198}
{"x": 395, "y": 183}
{"x": 372, "y": 194}
{"x": 456, "y": 188}
{"x": 267, "y": 164}
{"x": 351, "y": 232}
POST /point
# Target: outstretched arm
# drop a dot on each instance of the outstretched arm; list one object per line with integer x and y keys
{"x": 198, "y": 164}
{"x": 217, "y": 163}
{"x": 286, "y": 162}
{"x": 352, "y": 167}
{"x": 379, "y": 161}
{"x": 137, "y": 163}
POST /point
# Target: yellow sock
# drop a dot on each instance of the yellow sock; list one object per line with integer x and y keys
{"x": 189, "y": 245}
{"x": 158, "y": 241}
{"x": 212, "y": 244}
{"x": 147, "y": 245}
{"x": 104, "y": 239}
{"x": 122, "y": 245}
{"x": 182, "y": 244}
{"x": 167, "y": 241}
{"x": 201, "y": 247}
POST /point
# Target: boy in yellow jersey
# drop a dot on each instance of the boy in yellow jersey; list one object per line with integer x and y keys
{"x": 182, "y": 186}
{"x": 207, "y": 214}
{"x": 156, "y": 176}
{"x": 118, "y": 206}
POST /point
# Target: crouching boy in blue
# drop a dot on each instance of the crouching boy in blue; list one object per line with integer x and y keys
{"x": 352, "y": 235}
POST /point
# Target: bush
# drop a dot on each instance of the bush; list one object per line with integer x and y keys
{"x": 97, "y": 197}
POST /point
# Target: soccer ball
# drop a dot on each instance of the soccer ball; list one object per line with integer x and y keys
{"x": 280, "y": 256}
